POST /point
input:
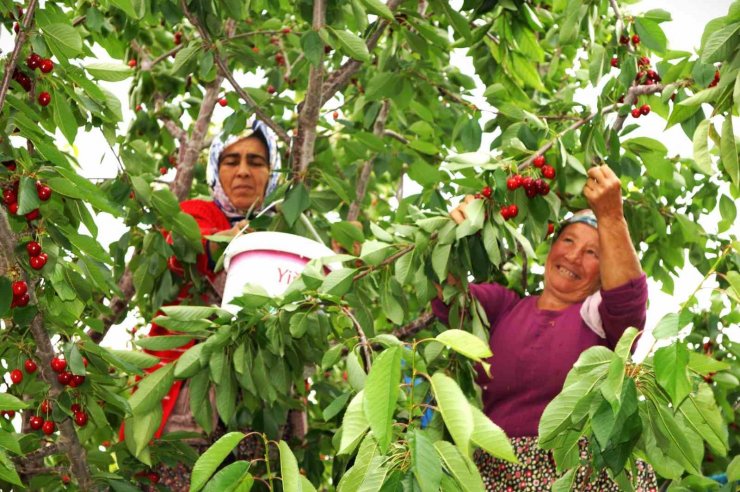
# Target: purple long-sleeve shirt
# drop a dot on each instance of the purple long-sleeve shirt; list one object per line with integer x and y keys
{"x": 533, "y": 349}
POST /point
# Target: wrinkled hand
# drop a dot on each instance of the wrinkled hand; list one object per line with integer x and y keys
{"x": 603, "y": 190}
{"x": 237, "y": 227}
{"x": 458, "y": 213}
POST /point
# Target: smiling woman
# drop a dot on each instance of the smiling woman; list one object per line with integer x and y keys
{"x": 594, "y": 290}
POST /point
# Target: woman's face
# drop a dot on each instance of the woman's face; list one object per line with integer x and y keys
{"x": 243, "y": 171}
{"x": 572, "y": 266}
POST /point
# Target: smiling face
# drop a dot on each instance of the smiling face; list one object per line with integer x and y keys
{"x": 243, "y": 171}
{"x": 572, "y": 266}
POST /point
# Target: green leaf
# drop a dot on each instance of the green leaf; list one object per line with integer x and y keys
{"x": 526, "y": 71}
{"x": 701, "y": 149}
{"x": 425, "y": 462}
{"x": 353, "y": 45}
{"x": 137, "y": 359}
{"x": 28, "y": 197}
{"x": 189, "y": 362}
{"x": 455, "y": 410}
{"x": 703, "y": 364}
{"x": 559, "y": 412}
{"x": 733, "y": 470}
{"x": 668, "y": 326}
{"x": 313, "y": 47}
{"x": 151, "y": 390}
{"x": 678, "y": 445}
{"x": 64, "y": 119}
{"x": 440, "y": 257}
{"x": 465, "y": 343}
{"x": 671, "y": 373}
{"x": 186, "y": 58}
{"x": 491, "y": 438}
{"x": 625, "y": 343}
{"x": 132, "y": 8}
{"x": 10, "y": 402}
{"x": 108, "y": 71}
{"x": 231, "y": 478}
{"x": 424, "y": 147}
{"x": 457, "y": 20}
{"x": 381, "y": 394}
{"x": 565, "y": 483}
{"x": 212, "y": 458}
{"x": 382, "y": 85}
{"x": 651, "y": 35}
{"x": 720, "y": 44}
{"x": 62, "y": 38}
{"x": 183, "y": 326}
{"x": 289, "y": 469}
{"x": 338, "y": 282}
{"x": 700, "y": 411}
{"x": 474, "y": 219}
{"x": 189, "y": 313}
{"x": 75, "y": 186}
{"x": 354, "y": 424}
{"x": 379, "y": 8}
{"x": 460, "y": 467}
{"x": 295, "y": 203}
{"x": 728, "y": 151}
{"x": 6, "y": 296}
{"x": 7, "y": 473}
{"x": 165, "y": 342}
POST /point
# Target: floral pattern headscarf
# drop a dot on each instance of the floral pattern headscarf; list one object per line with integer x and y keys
{"x": 220, "y": 142}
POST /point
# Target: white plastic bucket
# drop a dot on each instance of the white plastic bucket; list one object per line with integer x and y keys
{"x": 271, "y": 260}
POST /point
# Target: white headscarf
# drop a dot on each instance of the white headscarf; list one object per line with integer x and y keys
{"x": 220, "y": 142}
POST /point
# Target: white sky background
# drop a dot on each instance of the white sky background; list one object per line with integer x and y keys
{"x": 683, "y": 32}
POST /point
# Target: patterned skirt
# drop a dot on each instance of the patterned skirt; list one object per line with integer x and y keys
{"x": 537, "y": 471}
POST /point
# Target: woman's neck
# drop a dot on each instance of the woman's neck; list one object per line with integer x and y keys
{"x": 548, "y": 302}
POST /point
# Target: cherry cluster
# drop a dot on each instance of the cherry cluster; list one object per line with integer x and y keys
{"x": 21, "y": 297}
{"x": 10, "y": 195}
{"x": 646, "y": 75}
{"x": 36, "y": 257}
{"x": 533, "y": 186}
{"x": 625, "y": 40}
{"x": 33, "y": 62}
{"x": 64, "y": 377}
{"x": 16, "y": 375}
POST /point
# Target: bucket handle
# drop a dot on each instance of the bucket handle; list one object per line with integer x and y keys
{"x": 303, "y": 217}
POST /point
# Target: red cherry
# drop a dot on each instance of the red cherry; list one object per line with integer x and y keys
{"x": 132, "y": 63}
{"x": 512, "y": 183}
{"x": 35, "y": 422}
{"x": 44, "y": 99}
{"x": 45, "y": 406}
{"x": 9, "y": 196}
{"x": 635, "y": 39}
{"x": 44, "y": 193}
{"x": 22, "y": 301}
{"x": 255, "y": 50}
{"x": 65, "y": 479}
{"x": 286, "y": 30}
{"x": 30, "y": 366}
{"x": 17, "y": 27}
{"x": 13, "y": 208}
{"x": 223, "y": 102}
{"x": 636, "y": 113}
{"x": 33, "y": 61}
{"x": 9, "y": 413}
{"x": 270, "y": 89}
{"x": 645, "y": 109}
{"x": 37, "y": 262}
{"x": 280, "y": 59}
{"x": 153, "y": 477}
{"x": 48, "y": 427}
{"x": 33, "y": 215}
{"x": 81, "y": 419}
{"x": 624, "y": 39}
{"x": 58, "y": 364}
{"x": 64, "y": 378}
{"x": 486, "y": 191}
{"x": 76, "y": 380}
{"x": 548, "y": 171}
{"x": 75, "y": 407}
{"x": 178, "y": 37}
{"x": 138, "y": 108}
{"x": 84, "y": 361}
{"x": 504, "y": 212}
{"x": 615, "y": 62}
{"x": 513, "y": 210}
{"x": 335, "y": 115}
{"x": 19, "y": 287}
{"x": 539, "y": 161}
{"x": 550, "y": 228}
{"x": 16, "y": 376}
{"x": 33, "y": 248}
{"x": 46, "y": 65}
{"x": 644, "y": 61}
{"x": 162, "y": 170}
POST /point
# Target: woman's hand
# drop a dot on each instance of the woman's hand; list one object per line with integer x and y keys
{"x": 237, "y": 227}
{"x": 603, "y": 190}
{"x": 458, "y": 213}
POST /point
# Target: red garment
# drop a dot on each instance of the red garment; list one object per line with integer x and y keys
{"x": 211, "y": 220}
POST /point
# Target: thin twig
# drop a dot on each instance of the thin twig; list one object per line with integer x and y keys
{"x": 13, "y": 59}
{"x": 38, "y": 454}
{"x": 385, "y": 262}
{"x": 361, "y": 187}
{"x": 366, "y": 350}
{"x": 414, "y": 327}
{"x": 397, "y": 136}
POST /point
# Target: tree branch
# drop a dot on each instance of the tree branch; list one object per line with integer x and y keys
{"x": 385, "y": 262}
{"x": 225, "y": 72}
{"x": 343, "y": 75}
{"x": 397, "y": 136}
{"x": 7, "y": 244}
{"x": 366, "y": 350}
{"x": 414, "y": 327}
{"x": 303, "y": 144}
{"x": 170, "y": 125}
{"x": 13, "y": 59}
{"x": 632, "y": 94}
{"x": 361, "y": 188}
{"x": 23, "y": 461}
